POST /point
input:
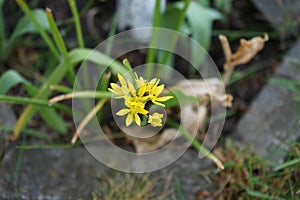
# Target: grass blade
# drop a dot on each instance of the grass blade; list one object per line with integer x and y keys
{"x": 61, "y": 45}
{"x": 76, "y": 56}
{"x": 40, "y": 29}
{"x": 76, "y": 18}
{"x": 2, "y": 26}
{"x": 53, "y": 120}
{"x": 287, "y": 164}
{"x": 9, "y": 79}
{"x": 152, "y": 52}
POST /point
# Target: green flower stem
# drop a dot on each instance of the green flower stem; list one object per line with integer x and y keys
{"x": 196, "y": 144}
{"x": 129, "y": 68}
{"x": 42, "y": 32}
{"x": 104, "y": 83}
{"x": 61, "y": 45}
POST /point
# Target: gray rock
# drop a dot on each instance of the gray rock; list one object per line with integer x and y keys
{"x": 49, "y": 174}
{"x": 136, "y": 14}
{"x": 283, "y": 14}
{"x": 273, "y": 121}
{"x": 191, "y": 173}
{"x": 61, "y": 174}
{"x": 7, "y": 118}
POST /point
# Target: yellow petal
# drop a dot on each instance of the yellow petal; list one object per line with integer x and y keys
{"x": 137, "y": 119}
{"x": 153, "y": 81}
{"x": 159, "y": 89}
{"x": 129, "y": 119}
{"x": 122, "y": 80}
{"x": 142, "y": 111}
{"x": 157, "y": 115}
{"x": 131, "y": 88}
{"x": 122, "y": 112}
{"x": 155, "y": 119}
{"x": 157, "y": 103}
{"x": 164, "y": 98}
{"x": 142, "y": 90}
{"x": 115, "y": 88}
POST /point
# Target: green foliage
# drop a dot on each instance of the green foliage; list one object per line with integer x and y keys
{"x": 252, "y": 177}
{"x": 200, "y": 20}
{"x": 190, "y": 17}
{"x": 223, "y": 5}
{"x": 11, "y": 78}
{"x": 24, "y": 25}
{"x": 41, "y": 21}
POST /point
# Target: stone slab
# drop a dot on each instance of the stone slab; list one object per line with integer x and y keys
{"x": 62, "y": 174}
{"x": 7, "y": 118}
{"x": 273, "y": 121}
{"x": 52, "y": 174}
{"x": 282, "y": 14}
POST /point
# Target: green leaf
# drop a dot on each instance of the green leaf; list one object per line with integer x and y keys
{"x": 9, "y": 79}
{"x": 200, "y": 19}
{"x": 205, "y": 3}
{"x": 25, "y": 25}
{"x": 2, "y": 25}
{"x": 53, "y": 119}
{"x": 170, "y": 17}
{"x": 76, "y": 56}
{"x": 74, "y": 9}
{"x": 262, "y": 196}
{"x": 39, "y": 27}
{"x": 223, "y": 5}
{"x": 60, "y": 43}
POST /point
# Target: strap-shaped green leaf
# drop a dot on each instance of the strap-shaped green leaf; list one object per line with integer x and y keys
{"x": 11, "y": 78}
{"x": 76, "y": 56}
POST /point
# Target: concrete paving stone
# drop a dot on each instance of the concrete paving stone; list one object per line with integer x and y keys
{"x": 284, "y": 15}
{"x": 273, "y": 121}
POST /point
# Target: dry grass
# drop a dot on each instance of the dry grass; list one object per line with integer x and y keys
{"x": 249, "y": 177}
{"x": 131, "y": 187}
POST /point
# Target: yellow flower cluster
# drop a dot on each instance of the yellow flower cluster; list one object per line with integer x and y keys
{"x": 136, "y": 96}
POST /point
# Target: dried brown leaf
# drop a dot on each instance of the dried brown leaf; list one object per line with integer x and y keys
{"x": 247, "y": 50}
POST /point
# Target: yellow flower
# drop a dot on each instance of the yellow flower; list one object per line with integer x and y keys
{"x": 155, "y": 119}
{"x": 154, "y": 92}
{"x": 123, "y": 90}
{"x": 135, "y": 107}
{"x": 140, "y": 81}
{"x": 136, "y": 95}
